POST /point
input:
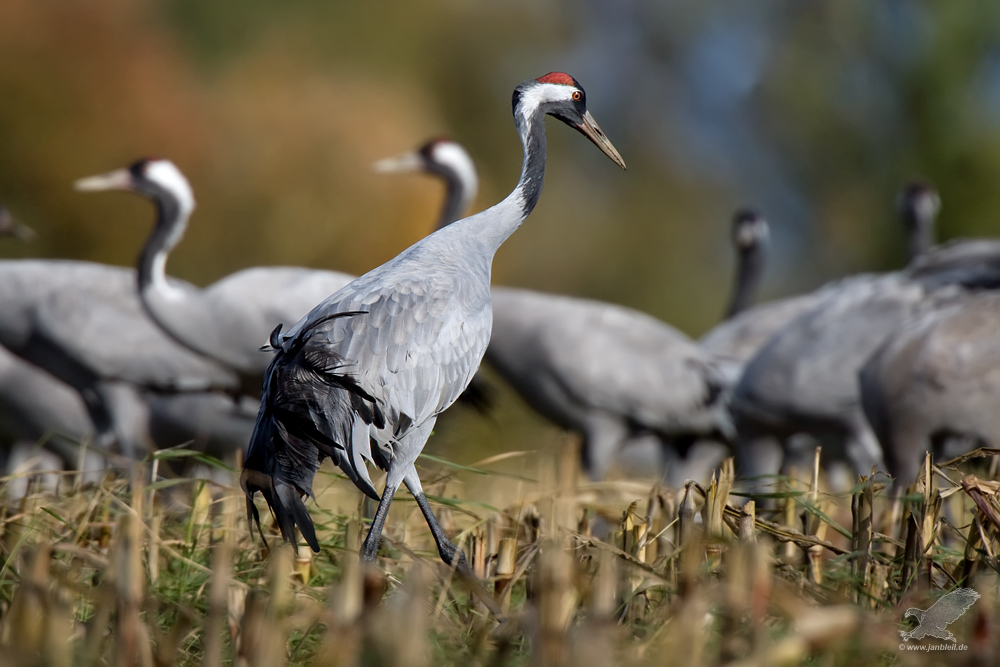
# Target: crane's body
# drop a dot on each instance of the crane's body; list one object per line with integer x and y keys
{"x": 934, "y": 384}
{"x": 610, "y": 373}
{"x": 364, "y": 375}
{"x": 82, "y": 323}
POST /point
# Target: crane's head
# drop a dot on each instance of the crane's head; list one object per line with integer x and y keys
{"x": 560, "y": 95}
{"x": 159, "y": 180}
{"x": 750, "y": 230}
{"x": 919, "y": 205}
{"x": 441, "y": 156}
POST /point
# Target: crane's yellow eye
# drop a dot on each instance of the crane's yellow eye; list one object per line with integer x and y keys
{"x": 577, "y": 96}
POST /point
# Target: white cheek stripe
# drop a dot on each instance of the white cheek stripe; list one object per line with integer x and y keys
{"x": 539, "y": 94}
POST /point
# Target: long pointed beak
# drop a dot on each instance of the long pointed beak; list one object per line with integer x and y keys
{"x": 592, "y": 131}
{"x": 120, "y": 179}
{"x": 405, "y": 163}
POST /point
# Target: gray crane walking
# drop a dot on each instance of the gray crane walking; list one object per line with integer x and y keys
{"x": 230, "y": 319}
{"x": 364, "y": 375}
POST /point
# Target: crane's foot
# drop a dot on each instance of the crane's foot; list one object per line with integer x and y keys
{"x": 455, "y": 558}
{"x": 451, "y": 554}
{"x": 369, "y": 550}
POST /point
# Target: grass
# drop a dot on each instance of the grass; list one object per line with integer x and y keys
{"x": 128, "y": 572}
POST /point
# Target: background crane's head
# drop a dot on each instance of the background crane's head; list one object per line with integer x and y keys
{"x": 155, "y": 179}
{"x": 441, "y": 156}
{"x": 750, "y": 230}
{"x": 560, "y": 95}
{"x": 919, "y": 205}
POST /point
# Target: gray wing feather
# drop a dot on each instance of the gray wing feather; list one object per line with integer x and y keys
{"x": 408, "y": 347}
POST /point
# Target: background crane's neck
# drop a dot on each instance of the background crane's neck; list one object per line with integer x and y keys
{"x": 183, "y": 313}
{"x": 919, "y": 235}
{"x": 456, "y": 198}
{"x": 749, "y": 269}
{"x": 171, "y": 221}
{"x": 454, "y": 166}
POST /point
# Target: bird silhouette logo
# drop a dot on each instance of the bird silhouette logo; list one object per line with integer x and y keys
{"x": 944, "y": 612}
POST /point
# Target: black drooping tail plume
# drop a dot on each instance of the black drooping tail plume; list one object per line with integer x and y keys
{"x": 287, "y": 446}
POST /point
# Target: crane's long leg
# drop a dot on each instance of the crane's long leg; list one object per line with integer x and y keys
{"x": 400, "y": 467}
{"x": 450, "y": 554}
{"x": 448, "y": 551}
{"x": 369, "y": 550}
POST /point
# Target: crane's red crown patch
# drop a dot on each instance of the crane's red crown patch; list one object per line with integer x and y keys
{"x": 557, "y": 77}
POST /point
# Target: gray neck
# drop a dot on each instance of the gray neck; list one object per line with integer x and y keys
{"x": 495, "y": 225}
{"x": 182, "y": 312}
{"x": 750, "y": 268}
{"x": 919, "y": 236}
{"x": 457, "y": 198}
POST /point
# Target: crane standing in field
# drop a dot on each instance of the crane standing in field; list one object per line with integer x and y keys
{"x": 82, "y": 322}
{"x": 82, "y": 363}
{"x": 364, "y": 375}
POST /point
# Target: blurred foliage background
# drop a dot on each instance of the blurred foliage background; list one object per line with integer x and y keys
{"x": 815, "y": 112}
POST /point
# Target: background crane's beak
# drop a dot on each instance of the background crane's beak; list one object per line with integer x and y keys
{"x": 592, "y": 131}
{"x": 405, "y": 163}
{"x": 120, "y": 179}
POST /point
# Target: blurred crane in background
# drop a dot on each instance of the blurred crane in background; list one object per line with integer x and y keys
{"x": 804, "y": 380}
{"x": 83, "y": 323}
{"x": 42, "y": 420}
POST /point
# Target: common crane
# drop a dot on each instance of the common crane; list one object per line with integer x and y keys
{"x": 363, "y": 377}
